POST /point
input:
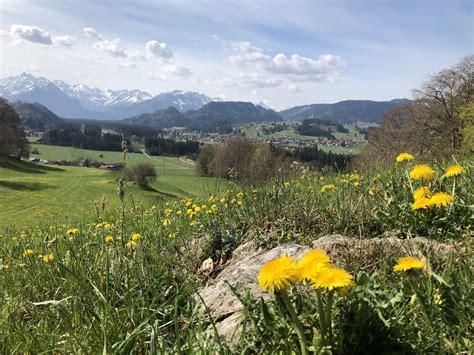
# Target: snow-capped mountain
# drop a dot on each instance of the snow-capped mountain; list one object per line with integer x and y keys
{"x": 81, "y": 101}
{"x": 95, "y": 99}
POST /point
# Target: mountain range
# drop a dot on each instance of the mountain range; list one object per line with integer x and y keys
{"x": 81, "y": 101}
{"x": 344, "y": 112}
{"x": 212, "y": 113}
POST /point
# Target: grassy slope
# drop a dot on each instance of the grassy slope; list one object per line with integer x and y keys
{"x": 123, "y": 297}
{"x": 33, "y": 194}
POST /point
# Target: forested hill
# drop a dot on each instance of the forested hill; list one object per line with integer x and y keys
{"x": 35, "y": 116}
{"x": 345, "y": 112}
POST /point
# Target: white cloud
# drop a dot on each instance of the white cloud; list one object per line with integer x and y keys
{"x": 113, "y": 47}
{"x": 31, "y": 33}
{"x": 128, "y": 65}
{"x": 157, "y": 49}
{"x": 307, "y": 68}
{"x": 257, "y": 81}
{"x": 295, "y": 67}
{"x": 65, "y": 41}
{"x": 294, "y": 88}
{"x": 245, "y": 52}
{"x": 92, "y": 33}
{"x": 176, "y": 70}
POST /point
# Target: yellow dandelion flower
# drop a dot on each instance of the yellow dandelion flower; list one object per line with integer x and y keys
{"x": 136, "y": 236}
{"x": 109, "y": 239}
{"x": 107, "y": 226}
{"x": 454, "y": 170}
{"x": 214, "y": 208}
{"x": 328, "y": 187}
{"x": 422, "y": 192}
{"x": 132, "y": 244}
{"x": 421, "y": 203}
{"x": 28, "y": 252}
{"x": 311, "y": 263}
{"x": 278, "y": 274}
{"x": 48, "y": 258}
{"x": 441, "y": 199}
{"x": 286, "y": 183}
{"x": 422, "y": 172}
{"x": 408, "y": 263}
{"x": 72, "y": 231}
{"x": 333, "y": 278}
{"x": 404, "y": 157}
{"x": 166, "y": 222}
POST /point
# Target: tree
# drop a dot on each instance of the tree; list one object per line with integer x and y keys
{"x": 437, "y": 125}
{"x": 441, "y": 100}
{"x": 141, "y": 173}
{"x": 13, "y": 142}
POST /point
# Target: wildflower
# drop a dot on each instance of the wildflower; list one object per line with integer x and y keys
{"x": 99, "y": 225}
{"x": 408, "y": 263}
{"x": 278, "y": 274}
{"x": 286, "y": 183}
{"x": 136, "y": 236}
{"x": 214, "y": 208}
{"x": 437, "y": 297}
{"x": 27, "y": 252}
{"x": 421, "y": 203}
{"x": 311, "y": 263}
{"x": 48, "y": 258}
{"x": 332, "y": 278}
{"x": 166, "y": 222}
{"x": 240, "y": 195}
{"x": 328, "y": 187}
{"x": 454, "y": 170}
{"x": 109, "y": 239}
{"x": 72, "y": 231}
{"x": 422, "y": 192}
{"x": 168, "y": 211}
{"x": 372, "y": 191}
{"x": 441, "y": 199}
{"x": 172, "y": 235}
{"x": 132, "y": 244}
{"x": 422, "y": 172}
{"x": 404, "y": 157}
{"x": 107, "y": 226}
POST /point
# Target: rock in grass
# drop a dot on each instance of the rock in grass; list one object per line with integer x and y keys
{"x": 219, "y": 301}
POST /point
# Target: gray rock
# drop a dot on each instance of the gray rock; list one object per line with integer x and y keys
{"x": 241, "y": 272}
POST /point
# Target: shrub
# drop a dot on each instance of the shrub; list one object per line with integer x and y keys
{"x": 141, "y": 173}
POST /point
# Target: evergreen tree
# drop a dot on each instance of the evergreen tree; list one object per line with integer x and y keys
{"x": 13, "y": 142}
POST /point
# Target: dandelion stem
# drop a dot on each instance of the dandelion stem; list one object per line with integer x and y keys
{"x": 322, "y": 318}
{"x": 329, "y": 315}
{"x": 294, "y": 318}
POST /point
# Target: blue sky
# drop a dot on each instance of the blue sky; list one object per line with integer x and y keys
{"x": 283, "y": 53}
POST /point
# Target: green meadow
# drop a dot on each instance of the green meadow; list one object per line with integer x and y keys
{"x": 38, "y": 194}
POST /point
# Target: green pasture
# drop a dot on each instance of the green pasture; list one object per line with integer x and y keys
{"x": 34, "y": 194}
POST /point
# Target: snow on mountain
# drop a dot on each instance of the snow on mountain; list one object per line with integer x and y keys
{"x": 82, "y": 101}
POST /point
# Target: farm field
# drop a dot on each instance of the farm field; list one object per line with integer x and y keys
{"x": 39, "y": 194}
{"x": 255, "y": 131}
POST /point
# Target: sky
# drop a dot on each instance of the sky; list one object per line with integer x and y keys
{"x": 281, "y": 53}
